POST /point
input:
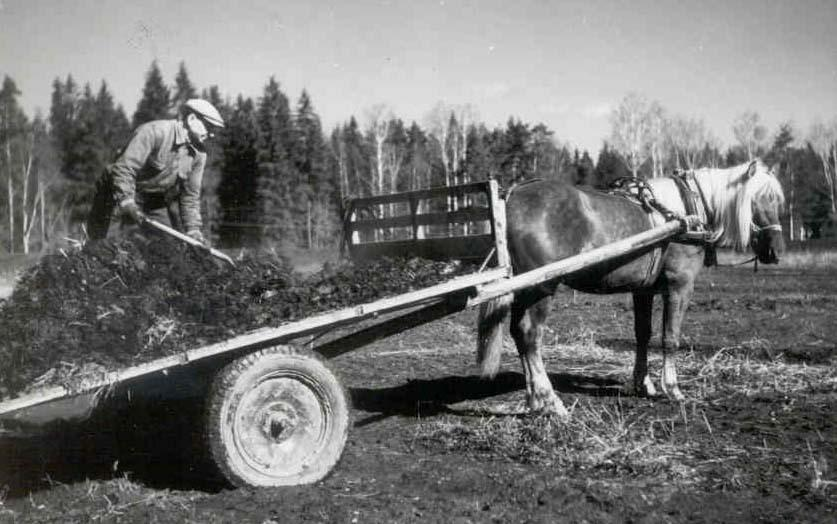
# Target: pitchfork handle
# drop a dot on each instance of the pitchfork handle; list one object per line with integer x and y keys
{"x": 189, "y": 240}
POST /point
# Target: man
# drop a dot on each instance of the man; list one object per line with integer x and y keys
{"x": 158, "y": 175}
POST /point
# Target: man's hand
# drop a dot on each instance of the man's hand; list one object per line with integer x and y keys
{"x": 132, "y": 211}
{"x": 197, "y": 235}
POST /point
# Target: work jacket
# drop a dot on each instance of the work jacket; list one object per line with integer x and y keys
{"x": 159, "y": 161}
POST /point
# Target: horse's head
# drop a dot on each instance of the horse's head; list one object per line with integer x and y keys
{"x": 766, "y": 237}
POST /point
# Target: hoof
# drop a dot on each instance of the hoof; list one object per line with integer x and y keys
{"x": 548, "y": 405}
{"x": 641, "y": 388}
{"x": 674, "y": 393}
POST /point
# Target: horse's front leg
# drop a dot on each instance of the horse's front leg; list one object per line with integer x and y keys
{"x": 675, "y": 303}
{"x": 526, "y": 330}
{"x": 642, "y": 384}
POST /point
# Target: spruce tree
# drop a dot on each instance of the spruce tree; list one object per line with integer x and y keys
{"x": 609, "y": 168}
{"x": 183, "y": 90}
{"x": 62, "y": 120}
{"x": 85, "y": 155}
{"x": 274, "y": 122}
{"x": 584, "y": 169}
{"x": 309, "y": 149}
{"x": 237, "y": 188}
{"x": 478, "y": 162}
{"x": 276, "y": 172}
{"x": 213, "y": 96}
{"x": 515, "y": 153}
{"x": 212, "y": 211}
{"x": 314, "y": 199}
{"x": 114, "y": 127}
{"x": 156, "y": 99}
{"x": 356, "y": 159}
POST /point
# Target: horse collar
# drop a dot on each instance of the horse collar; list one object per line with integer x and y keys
{"x": 693, "y": 198}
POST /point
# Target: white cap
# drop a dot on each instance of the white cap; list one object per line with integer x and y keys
{"x": 206, "y": 111}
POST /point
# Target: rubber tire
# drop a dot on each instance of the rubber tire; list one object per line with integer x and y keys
{"x": 249, "y": 389}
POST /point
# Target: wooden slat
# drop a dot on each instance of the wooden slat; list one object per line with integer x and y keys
{"x": 474, "y": 247}
{"x": 475, "y": 214}
{"x": 261, "y": 338}
{"x": 421, "y": 194}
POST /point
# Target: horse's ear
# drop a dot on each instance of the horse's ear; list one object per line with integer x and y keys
{"x": 754, "y": 166}
{"x": 774, "y": 169}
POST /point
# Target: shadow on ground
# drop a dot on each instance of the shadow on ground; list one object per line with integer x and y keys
{"x": 157, "y": 442}
{"x": 434, "y": 396}
{"x": 160, "y": 442}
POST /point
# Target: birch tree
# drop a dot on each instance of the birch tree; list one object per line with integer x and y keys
{"x": 780, "y": 150}
{"x": 12, "y": 131}
{"x": 438, "y": 124}
{"x": 631, "y": 130}
{"x": 823, "y": 140}
{"x": 379, "y": 118}
{"x": 749, "y": 132}
{"x": 657, "y": 125}
{"x": 395, "y": 152}
{"x": 689, "y": 139}
{"x": 465, "y": 116}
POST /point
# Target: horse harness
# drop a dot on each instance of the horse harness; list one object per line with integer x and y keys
{"x": 699, "y": 229}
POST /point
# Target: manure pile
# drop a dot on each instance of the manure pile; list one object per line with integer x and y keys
{"x": 121, "y": 302}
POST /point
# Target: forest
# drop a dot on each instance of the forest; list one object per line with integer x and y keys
{"x": 276, "y": 178}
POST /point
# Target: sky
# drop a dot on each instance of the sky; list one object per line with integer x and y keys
{"x": 566, "y": 64}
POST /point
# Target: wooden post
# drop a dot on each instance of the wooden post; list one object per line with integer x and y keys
{"x": 498, "y": 224}
{"x": 413, "y": 213}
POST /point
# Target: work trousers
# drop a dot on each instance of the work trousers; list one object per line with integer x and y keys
{"x": 105, "y": 218}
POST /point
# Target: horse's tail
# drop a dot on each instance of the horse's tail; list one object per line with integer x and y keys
{"x": 490, "y": 334}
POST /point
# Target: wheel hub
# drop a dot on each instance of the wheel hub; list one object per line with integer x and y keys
{"x": 279, "y": 423}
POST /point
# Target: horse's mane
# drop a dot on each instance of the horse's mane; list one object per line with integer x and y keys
{"x": 730, "y": 192}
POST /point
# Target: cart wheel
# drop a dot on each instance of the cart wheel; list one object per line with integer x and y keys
{"x": 277, "y": 417}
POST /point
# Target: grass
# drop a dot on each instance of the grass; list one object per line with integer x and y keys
{"x": 105, "y": 501}
{"x": 807, "y": 255}
{"x": 610, "y": 439}
{"x": 810, "y": 259}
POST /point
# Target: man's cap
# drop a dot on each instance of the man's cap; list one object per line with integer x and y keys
{"x": 206, "y": 111}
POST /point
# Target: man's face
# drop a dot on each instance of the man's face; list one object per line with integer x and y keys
{"x": 198, "y": 132}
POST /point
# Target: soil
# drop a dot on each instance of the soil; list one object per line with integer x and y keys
{"x": 754, "y": 442}
{"x": 120, "y": 302}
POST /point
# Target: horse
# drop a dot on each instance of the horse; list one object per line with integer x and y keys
{"x": 550, "y": 220}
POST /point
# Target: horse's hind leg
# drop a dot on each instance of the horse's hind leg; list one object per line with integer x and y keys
{"x": 526, "y": 329}
{"x": 642, "y": 384}
{"x": 674, "y": 309}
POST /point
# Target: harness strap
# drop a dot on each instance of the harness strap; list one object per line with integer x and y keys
{"x": 639, "y": 192}
{"x": 693, "y": 198}
{"x": 699, "y": 228}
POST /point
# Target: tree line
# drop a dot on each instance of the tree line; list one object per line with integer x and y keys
{"x": 647, "y": 141}
{"x": 275, "y": 176}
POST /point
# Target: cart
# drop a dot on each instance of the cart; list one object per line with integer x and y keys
{"x": 276, "y": 414}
